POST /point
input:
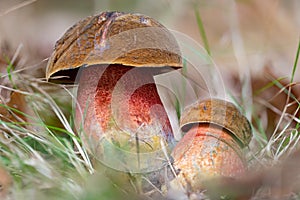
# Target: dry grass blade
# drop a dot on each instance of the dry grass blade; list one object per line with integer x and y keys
{"x": 67, "y": 126}
{"x": 16, "y": 7}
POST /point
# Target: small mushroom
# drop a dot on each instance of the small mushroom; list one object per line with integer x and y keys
{"x": 216, "y": 133}
{"x": 118, "y": 54}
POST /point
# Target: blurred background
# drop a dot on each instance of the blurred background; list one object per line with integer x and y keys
{"x": 247, "y": 34}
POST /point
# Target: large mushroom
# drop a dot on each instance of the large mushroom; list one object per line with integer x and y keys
{"x": 118, "y": 105}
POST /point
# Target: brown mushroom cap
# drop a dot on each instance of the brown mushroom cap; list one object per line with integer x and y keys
{"x": 220, "y": 113}
{"x": 114, "y": 38}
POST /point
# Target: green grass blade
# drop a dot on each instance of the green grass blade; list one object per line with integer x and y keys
{"x": 293, "y": 73}
{"x": 269, "y": 85}
{"x": 9, "y": 70}
{"x": 16, "y": 111}
{"x": 296, "y": 62}
{"x": 202, "y": 30}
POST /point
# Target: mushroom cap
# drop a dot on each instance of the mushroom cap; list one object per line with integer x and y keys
{"x": 114, "y": 38}
{"x": 221, "y": 113}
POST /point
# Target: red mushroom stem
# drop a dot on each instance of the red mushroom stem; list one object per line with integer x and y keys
{"x": 124, "y": 98}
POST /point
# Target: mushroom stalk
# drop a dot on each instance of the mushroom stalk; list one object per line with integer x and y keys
{"x": 122, "y": 99}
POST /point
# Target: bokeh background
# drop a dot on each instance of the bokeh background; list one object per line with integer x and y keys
{"x": 244, "y": 34}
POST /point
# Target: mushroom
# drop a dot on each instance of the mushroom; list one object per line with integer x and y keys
{"x": 118, "y": 105}
{"x": 216, "y": 133}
